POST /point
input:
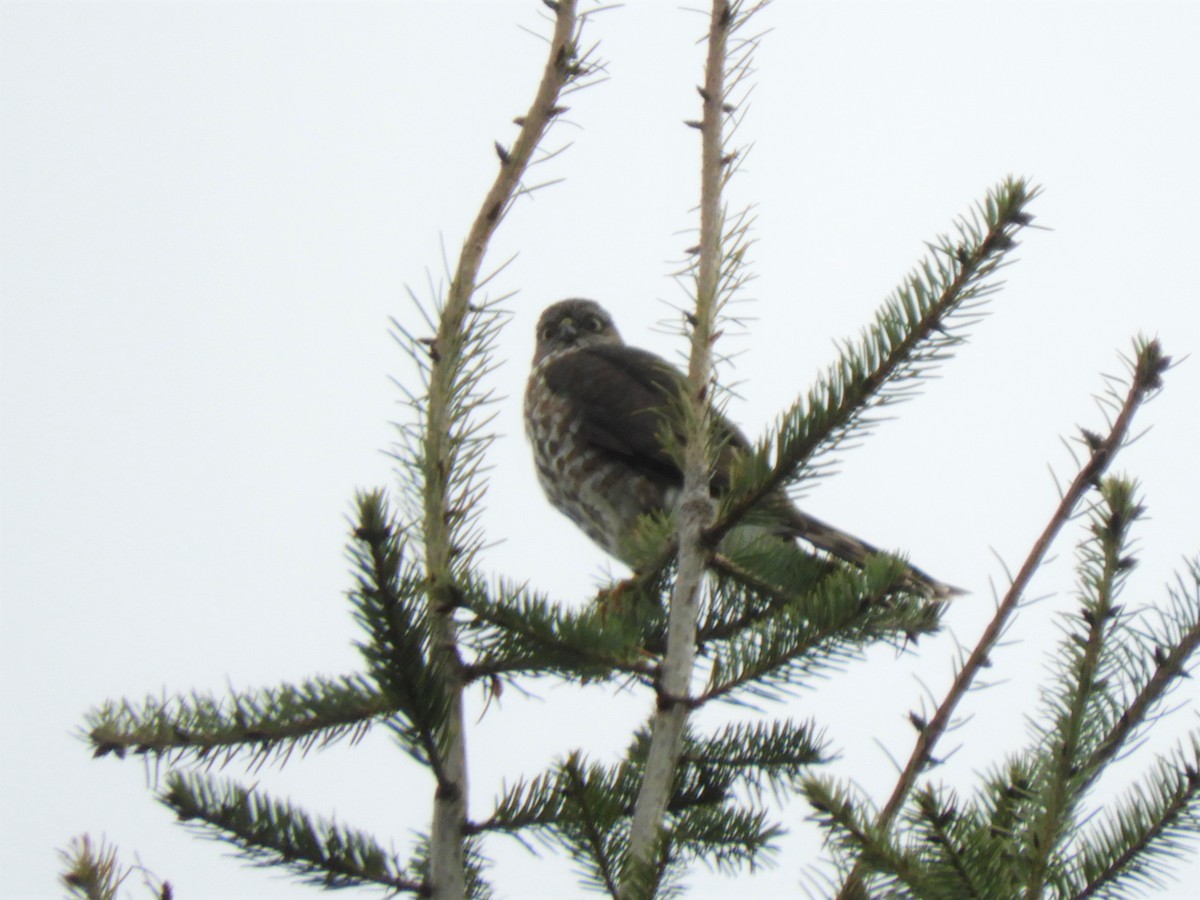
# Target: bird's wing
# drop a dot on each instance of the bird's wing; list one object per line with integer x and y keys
{"x": 628, "y": 400}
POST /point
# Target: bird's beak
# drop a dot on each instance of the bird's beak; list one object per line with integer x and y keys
{"x": 567, "y": 330}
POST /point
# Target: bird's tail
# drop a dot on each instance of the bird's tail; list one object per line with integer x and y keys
{"x": 856, "y": 552}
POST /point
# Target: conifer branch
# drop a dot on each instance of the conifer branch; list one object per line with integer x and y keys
{"x": 1155, "y": 816}
{"x": 1146, "y": 370}
{"x": 817, "y": 629}
{"x": 1004, "y": 798}
{"x": 587, "y": 807}
{"x": 1152, "y": 821}
{"x": 943, "y": 826}
{"x": 271, "y": 722}
{"x": 449, "y": 446}
{"x": 752, "y": 589}
{"x": 776, "y": 752}
{"x": 596, "y": 804}
{"x": 917, "y": 327}
{"x": 94, "y": 872}
{"x": 390, "y": 603}
{"x": 1022, "y": 836}
{"x": 522, "y": 632}
{"x": 852, "y": 830}
{"x": 744, "y": 595}
{"x": 553, "y": 799}
{"x": 727, "y": 839}
{"x": 527, "y": 804}
{"x": 271, "y": 831}
{"x": 1174, "y": 646}
{"x": 1080, "y": 700}
{"x": 639, "y": 875}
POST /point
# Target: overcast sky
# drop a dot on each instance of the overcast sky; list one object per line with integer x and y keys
{"x": 210, "y": 210}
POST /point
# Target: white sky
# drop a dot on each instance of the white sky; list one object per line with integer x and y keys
{"x": 209, "y": 211}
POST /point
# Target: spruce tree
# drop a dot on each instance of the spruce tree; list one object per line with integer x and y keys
{"x": 700, "y": 623}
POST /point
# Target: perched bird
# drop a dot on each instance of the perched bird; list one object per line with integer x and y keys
{"x": 596, "y": 412}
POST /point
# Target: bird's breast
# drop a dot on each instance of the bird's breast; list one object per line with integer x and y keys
{"x": 594, "y": 487}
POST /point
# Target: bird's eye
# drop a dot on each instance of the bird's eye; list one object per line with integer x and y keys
{"x": 594, "y": 324}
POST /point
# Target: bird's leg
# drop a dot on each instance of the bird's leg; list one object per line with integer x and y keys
{"x": 610, "y": 600}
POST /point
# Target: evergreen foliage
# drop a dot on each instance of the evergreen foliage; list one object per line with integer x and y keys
{"x": 745, "y": 625}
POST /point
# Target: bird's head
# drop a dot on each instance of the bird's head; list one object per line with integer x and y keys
{"x": 572, "y": 324}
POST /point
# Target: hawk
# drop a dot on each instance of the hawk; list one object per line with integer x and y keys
{"x": 596, "y": 413}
